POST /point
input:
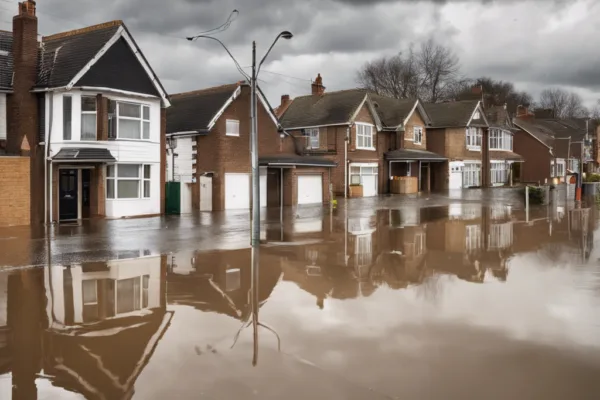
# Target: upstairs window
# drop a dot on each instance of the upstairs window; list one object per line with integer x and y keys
{"x": 88, "y": 118}
{"x": 67, "y": 118}
{"x": 312, "y": 138}
{"x": 501, "y": 140}
{"x": 364, "y": 137}
{"x": 474, "y": 138}
{"x": 232, "y": 127}
{"x": 133, "y": 121}
{"x": 418, "y": 134}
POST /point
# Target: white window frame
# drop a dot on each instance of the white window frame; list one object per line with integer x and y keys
{"x": 472, "y": 175}
{"x": 499, "y": 172}
{"x": 476, "y": 115}
{"x": 420, "y": 244}
{"x": 418, "y": 134}
{"x": 500, "y": 139}
{"x": 501, "y": 236}
{"x": 558, "y": 168}
{"x": 573, "y": 164}
{"x": 311, "y": 135}
{"x": 473, "y": 138}
{"x": 95, "y": 113}
{"x": 473, "y": 238}
{"x": 3, "y": 116}
{"x": 114, "y": 182}
{"x": 365, "y": 136}
{"x": 373, "y": 167}
{"x": 141, "y": 120}
{"x": 229, "y": 124}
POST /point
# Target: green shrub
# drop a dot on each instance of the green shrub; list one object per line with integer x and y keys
{"x": 592, "y": 178}
{"x": 536, "y": 194}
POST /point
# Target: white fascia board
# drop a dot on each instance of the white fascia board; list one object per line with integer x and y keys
{"x": 234, "y": 96}
{"x": 268, "y": 109}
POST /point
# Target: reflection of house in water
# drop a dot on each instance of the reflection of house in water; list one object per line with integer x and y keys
{"x": 473, "y": 240}
{"x": 220, "y": 281}
{"x": 92, "y": 327}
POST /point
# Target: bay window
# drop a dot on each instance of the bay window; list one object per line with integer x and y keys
{"x": 88, "y": 118}
{"x": 472, "y": 175}
{"x": 501, "y": 140}
{"x": 128, "y": 181}
{"x": 133, "y": 121}
{"x": 364, "y": 137}
{"x": 67, "y": 119}
{"x": 474, "y": 138}
{"x": 499, "y": 172}
{"x": 558, "y": 168}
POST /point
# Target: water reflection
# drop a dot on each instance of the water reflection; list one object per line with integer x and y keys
{"x": 93, "y": 327}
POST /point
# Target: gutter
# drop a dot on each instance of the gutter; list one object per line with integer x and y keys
{"x": 47, "y": 160}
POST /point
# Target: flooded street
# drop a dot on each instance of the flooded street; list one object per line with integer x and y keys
{"x": 464, "y": 300}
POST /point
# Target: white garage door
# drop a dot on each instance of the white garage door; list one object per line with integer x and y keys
{"x": 310, "y": 189}
{"x": 237, "y": 191}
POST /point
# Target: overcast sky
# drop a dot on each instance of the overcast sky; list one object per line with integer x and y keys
{"x": 535, "y": 44}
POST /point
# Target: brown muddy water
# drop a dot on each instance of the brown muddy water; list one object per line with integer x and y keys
{"x": 455, "y": 302}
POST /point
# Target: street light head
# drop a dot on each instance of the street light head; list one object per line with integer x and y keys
{"x": 286, "y": 35}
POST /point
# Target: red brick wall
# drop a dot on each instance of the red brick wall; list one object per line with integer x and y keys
{"x": 456, "y": 146}
{"x": 415, "y": 120}
{"x": 536, "y": 167}
{"x": 15, "y": 192}
{"x": 290, "y": 184}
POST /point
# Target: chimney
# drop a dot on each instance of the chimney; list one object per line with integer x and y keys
{"x": 477, "y": 89}
{"x": 523, "y": 111}
{"x": 23, "y": 107}
{"x": 317, "y": 86}
{"x": 285, "y": 99}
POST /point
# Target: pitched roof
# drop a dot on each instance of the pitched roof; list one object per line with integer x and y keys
{"x": 454, "y": 114}
{"x": 64, "y": 55}
{"x": 331, "y": 108}
{"x": 193, "y": 111}
{"x": 497, "y": 117}
{"x": 539, "y": 132}
{"x": 392, "y": 111}
{"x": 6, "y": 60}
{"x": 86, "y": 154}
{"x": 560, "y": 128}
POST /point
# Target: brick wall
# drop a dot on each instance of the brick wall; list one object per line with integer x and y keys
{"x": 456, "y": 146}
{"x": 536, "y": 167}
{"x": 14, "y": 191}
{"x": 415, "y": 120}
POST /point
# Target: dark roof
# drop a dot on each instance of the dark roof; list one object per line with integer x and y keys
{"x": 560, "y": 128}
{"x": 497, "y": 117}
{"x": 63, "y": 55}
{"x": 539, "y": 132}
{"x": 193, "y": 111}
{"x": 411, "y": 154}
{"x": 454, "y": 114}
{"x": 6, "y": 60}
{"x": 505, "y": 155}
{"x": 391, "y": 111}
{"x": 293, "y": 159}
{"x": 332, "y": 108}
{"x": 84, "y": 154}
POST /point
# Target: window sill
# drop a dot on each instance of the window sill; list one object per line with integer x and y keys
{"x": 232, "y": 135}
{"x": 474, "y": 148}
{"x": 138, "y": 199}
{"x": 366, "y": 148}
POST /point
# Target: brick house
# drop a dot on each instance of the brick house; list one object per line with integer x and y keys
{"x": 505, "y": 164}
{"x": 551, "y": 147}
{"x": 212, "y": 131}
{"x": 371, "y": 138}
{"x": 459, "y": 132}
{"x": 88, "y": 110}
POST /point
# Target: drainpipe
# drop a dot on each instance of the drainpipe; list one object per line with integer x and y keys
{"x": 346, "y": 162}
{"x": 48, "y": 215}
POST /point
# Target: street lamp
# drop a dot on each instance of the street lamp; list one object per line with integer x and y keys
{"x": 255, "y": 234}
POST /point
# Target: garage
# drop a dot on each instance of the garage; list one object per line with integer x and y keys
{"x": 310, "y": 189}
{"x": 237, "y": 191}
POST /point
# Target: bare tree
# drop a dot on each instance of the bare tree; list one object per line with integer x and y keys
{"x": 395, "y": 76}
{"x": 430, "y": 73}
{"x": 495, "y": 93}
{"x": 595, "y": 111}
{"x": 439, "y": 67}
{"x": 563, "y": 104}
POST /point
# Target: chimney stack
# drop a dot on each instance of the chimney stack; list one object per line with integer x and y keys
{"x": 285, "y": 99}
{"x": 317, "y": 86}
{"x": 23, "y": 107}
{"x": 523, "y": 111}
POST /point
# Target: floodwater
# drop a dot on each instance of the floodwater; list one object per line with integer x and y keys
{"x": 462, "y": 301}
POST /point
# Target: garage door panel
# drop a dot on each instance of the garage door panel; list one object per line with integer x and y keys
{"x": 310, "y": 189}
{"x": 237, "y": 191}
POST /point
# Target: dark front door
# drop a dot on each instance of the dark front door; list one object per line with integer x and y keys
{"x": 67, "y": 188}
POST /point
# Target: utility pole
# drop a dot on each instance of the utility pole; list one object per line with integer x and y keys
{"x": 255, "y": 234}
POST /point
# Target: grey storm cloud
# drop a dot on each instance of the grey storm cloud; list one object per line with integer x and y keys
{"x": 502, "y": 39}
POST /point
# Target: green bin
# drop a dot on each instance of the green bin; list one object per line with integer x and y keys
{"x": 173, "y": 200}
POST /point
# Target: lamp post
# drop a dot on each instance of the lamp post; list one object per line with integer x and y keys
{"x": 255, "y": 234}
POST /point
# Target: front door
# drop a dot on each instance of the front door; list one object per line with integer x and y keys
{"x": 456, "y": 176}
{"x": 68, "y": 200}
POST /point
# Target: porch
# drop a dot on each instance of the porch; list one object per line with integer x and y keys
{"x": 423, "y": 165}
